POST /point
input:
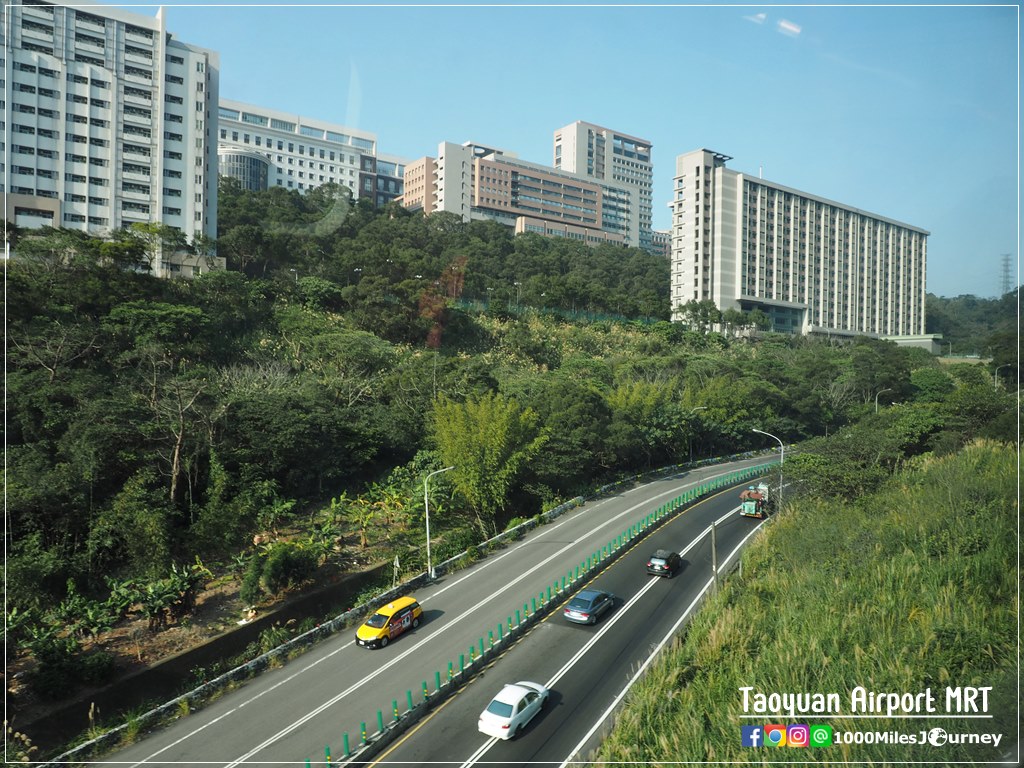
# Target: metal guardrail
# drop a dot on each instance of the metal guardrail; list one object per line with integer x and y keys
{"x": 370, "y": 746}
{"x": 186, "y": 702}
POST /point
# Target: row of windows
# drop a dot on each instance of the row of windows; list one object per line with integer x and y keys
{"x": 77, "y": 218}
{"x": 258, "y": 141}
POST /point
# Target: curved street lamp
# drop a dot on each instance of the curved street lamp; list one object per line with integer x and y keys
{"x": 782, "y": 460}
{"x": 426, "y": 510}
{"x": 876, "y": 397}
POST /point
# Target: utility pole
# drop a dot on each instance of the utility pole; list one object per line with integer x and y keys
{"x": 1006, "y": 281}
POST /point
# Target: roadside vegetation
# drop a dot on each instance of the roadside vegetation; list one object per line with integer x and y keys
{"x": 908, "y": 586}
{"x": 272, "y": 424}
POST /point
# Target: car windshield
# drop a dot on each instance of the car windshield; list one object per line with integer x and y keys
{"x": 500, "y": 708}
{"x": 578, "y": 603}
{"x": 377, "y": 621}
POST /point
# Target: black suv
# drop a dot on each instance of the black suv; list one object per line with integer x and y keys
{"x": 663, "y": 563}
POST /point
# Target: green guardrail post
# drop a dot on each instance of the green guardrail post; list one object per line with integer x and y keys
{"x": 362, "y": 732}
{"x": 462, "y": 663}
{"x": 533, "y": 606}
{"x": 327, "y": 754}
{"x": 518, "y": 620}
{"x": 501, "y": 634}
{"x": 490, "y": 638}
{"x": 394, "y": 708}
{"x": 380, "y": 721}
{"x": 510, "y": 623}
{"x": 307, "y": 763}
{"x": 481, "y": 646}
{"x": 437, "y": 681}
{"x": 525, "y": 614}
{"x": 549, "y": 592}
{"x": 344, "y": 744}
{"x": 426, "y": 694}
{"x": 451, "y": 674}
{"x": 472, "y": 654}
{"x": 408, "y": 699}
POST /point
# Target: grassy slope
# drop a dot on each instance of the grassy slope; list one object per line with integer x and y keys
{"x": 909, "y": 588}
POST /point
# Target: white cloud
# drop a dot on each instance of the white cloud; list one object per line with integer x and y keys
{"x": 758, "y": 19}
{"x": 789, "y": 28}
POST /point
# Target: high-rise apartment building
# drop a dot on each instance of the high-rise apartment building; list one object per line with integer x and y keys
{"x": 594, "y": 152}
{"x": 478, "y": 182}
{"x": 813, "y": 265}
{"x": 108, "y": 120}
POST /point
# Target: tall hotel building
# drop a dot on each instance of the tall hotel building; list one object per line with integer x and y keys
{"x": 478, "y": 182}
{"x": 265, "y": 148}
{"x": 107, "y": 121}
{"x": 593, "y": 152}
{"x": 813, "y": 265}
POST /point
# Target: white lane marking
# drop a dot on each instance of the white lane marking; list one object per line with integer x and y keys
{"x": 569, "y": 518}
{"x": 313, "y": 713}
{"x": 488, "y": 563}
{"x": 605, "y": 627}
{"x": 651, "y": 657}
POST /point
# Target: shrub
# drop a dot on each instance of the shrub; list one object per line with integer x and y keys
{"x": 250, "y": 591}
{"x": 513, "y": 523}
{"x": 286, "y": 565}
{"x": 57, "y": 673}
{"x": 96, "y": 668}
{"x": 457, "y": 542}
{"x": 272, "y": 637}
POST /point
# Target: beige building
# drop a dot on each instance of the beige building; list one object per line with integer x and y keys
{"x": 590, "y": 151}
{"x": 812, "y": 264}
{"x": 478, "y": 182}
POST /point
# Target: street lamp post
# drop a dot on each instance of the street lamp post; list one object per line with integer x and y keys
{"x": 995, "y": 376}
{"x": 426, "y": 510}
{"x": 782, "y": 460}
{"x": 876, "y": 397}
{"x": 296, "y": 273}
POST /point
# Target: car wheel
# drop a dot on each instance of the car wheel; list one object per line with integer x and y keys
{"x": 384, "y": 642}
{"x": 415, "y": 623}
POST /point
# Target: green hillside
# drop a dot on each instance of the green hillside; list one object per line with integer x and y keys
{"x": 905, "y": 589}
{"x": 262, "y": 425}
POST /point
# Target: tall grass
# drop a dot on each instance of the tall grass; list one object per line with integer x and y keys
{"x": 909, "y": 588}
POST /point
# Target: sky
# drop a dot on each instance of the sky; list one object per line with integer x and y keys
{"x": 908, "y": 112}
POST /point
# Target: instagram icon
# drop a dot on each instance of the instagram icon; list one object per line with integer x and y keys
{"x": 797, "y": 735}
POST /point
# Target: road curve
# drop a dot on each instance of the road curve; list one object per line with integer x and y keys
{"x": 295, "y": 712}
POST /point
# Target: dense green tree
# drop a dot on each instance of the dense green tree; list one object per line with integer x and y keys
{"x": 576, "y": 419}
{"x": 700, "y": 315}
{"x": 930, "y": 385}
{"x": 133, "y": 534}
{"x": 488, "y": 440}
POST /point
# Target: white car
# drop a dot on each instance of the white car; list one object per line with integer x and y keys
{"x": 515, "y": 705}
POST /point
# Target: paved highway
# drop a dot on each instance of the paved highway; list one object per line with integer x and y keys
{"x": 587, "y": 668}
{"x": 289, "y": 714}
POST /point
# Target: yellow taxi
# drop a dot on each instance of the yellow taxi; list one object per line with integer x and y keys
{"x": 389, "y": 622}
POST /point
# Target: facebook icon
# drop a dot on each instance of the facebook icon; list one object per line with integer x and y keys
{"x": 750, "y": 735}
